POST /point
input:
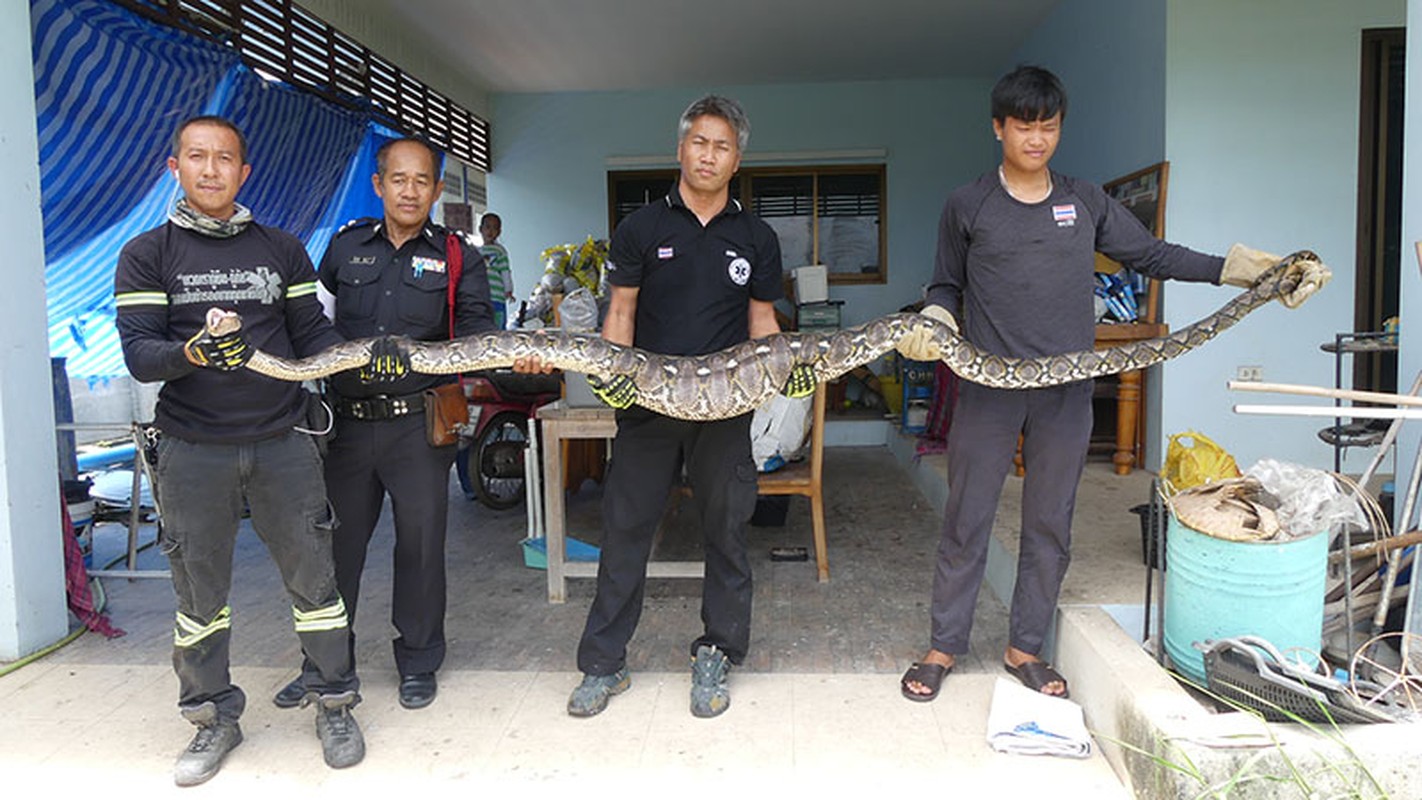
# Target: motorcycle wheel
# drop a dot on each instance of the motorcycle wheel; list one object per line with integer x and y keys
{"x": 497, "y": 492}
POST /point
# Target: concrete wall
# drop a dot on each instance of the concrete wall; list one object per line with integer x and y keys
{"x": 1255, "y": 105}
{"x": 32, "y": 610}
{"x": 549, "y": 180}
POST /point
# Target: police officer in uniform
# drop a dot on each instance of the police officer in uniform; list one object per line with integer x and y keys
{"x": 691, "y": 274}
{"x": 391, "y": 277}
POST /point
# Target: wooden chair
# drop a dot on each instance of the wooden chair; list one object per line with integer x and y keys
{"x": 804, "y": 478}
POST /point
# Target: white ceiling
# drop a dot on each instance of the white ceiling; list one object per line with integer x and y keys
{"x": 590, "y": 45}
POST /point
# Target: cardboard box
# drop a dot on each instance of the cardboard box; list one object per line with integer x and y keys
{"x": 812, "y": 284}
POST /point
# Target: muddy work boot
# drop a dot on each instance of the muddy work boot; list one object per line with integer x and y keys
{"x": 709, "y": 695}
{"x": 214, "y": 740}
{"x": 341, "y": 741}
{"x": 592, "y": 694}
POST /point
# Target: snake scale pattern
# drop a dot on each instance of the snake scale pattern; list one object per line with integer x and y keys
{"x": 739, "y": 379}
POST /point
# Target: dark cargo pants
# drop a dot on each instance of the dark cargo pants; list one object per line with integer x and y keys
{"x": 201, "y": 489}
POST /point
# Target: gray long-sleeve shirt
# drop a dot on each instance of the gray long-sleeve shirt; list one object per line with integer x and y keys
{"x": 1019, "y": 277}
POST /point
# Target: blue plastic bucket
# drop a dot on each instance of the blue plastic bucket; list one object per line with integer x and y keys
{"x": 1216, "y": 588}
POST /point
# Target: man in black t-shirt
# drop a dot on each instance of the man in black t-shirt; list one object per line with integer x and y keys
{"x": 691, "y": 274}
{"x": 1015, "y": 265}
{"x": 230, "y": 438}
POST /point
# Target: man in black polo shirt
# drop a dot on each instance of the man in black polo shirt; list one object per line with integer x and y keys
{"x": 391, "y": 277}
{"x": 690, "y": 274}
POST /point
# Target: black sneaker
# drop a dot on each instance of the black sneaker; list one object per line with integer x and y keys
{"x": 291, "y": 694}
{"x": 709, "y": 694}
{"x": 341, "y": 741}
{"x": 214, "y": 740}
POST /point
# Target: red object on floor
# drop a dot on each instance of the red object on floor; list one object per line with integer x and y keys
{"x": 76, "y": 584}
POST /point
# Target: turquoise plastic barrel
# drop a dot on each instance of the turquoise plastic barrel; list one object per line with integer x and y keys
{"x": 1216, "y": 588}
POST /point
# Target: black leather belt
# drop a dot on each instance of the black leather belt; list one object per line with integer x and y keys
{"x": 381, "y": 406}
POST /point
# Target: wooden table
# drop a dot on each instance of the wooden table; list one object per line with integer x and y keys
{"x": 560, "y": 423}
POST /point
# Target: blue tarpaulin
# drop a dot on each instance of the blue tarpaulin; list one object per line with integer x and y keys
{"x": 110, "y": 88}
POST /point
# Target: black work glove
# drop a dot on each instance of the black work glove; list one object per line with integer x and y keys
{"x": 389, "y": 362}
{"x": 227, "y": 352}
{"x": 619, "y": 391}
{"x": 802, "y": 382}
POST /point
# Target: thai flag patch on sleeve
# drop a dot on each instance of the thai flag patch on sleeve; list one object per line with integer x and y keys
{"x": 665, "y": 253}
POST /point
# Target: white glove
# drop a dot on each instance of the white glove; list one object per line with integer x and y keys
{"x": 1244, "y": 265}
{"x": 918, "y": 345}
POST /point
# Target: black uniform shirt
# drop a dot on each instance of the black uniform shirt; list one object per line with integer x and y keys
{"x": 696, "y": 282}
{"x": 1019, "y": 277}
{"x": 382, "y": 291}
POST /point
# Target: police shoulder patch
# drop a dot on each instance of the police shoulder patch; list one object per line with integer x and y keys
{"x": 357, "y": 223}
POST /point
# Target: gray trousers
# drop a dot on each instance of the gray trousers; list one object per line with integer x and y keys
{"x": 1056, "y": 427}
{"x": 202, "y": 489}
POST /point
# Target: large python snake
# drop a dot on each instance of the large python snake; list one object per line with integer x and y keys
{"x": 739, "y": 379}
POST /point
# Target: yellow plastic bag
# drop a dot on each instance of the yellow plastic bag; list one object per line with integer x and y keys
{"x": 1200, "y": 461}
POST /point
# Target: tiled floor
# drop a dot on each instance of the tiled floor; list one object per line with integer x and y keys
{"x": 817, "y": 702}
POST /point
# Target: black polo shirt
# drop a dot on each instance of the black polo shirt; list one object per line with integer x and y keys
{"x": 382, "y": 291}
{"x": 696, "y": 282}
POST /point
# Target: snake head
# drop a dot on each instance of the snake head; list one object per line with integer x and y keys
{"x": 221, "y": 322}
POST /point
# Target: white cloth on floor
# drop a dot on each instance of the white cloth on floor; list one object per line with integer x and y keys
{"x": 1031, "y": 723}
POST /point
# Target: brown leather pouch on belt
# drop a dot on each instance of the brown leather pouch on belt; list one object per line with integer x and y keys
{"x": 446, "y": 410}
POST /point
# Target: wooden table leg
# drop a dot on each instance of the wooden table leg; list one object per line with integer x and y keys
{"x": 555, "y": 512}
{"x": 1128, "y": 401}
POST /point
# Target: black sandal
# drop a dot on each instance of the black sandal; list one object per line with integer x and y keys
{"x": 1035, "y": 675}
{"x": 930, "y": 675}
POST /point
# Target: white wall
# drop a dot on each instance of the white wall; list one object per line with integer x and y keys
{"x": 32, "y": 610}
{"x": 549, "y": 178}
{"x": 1262, "y": 137}
{"x": 1410, "y": 337}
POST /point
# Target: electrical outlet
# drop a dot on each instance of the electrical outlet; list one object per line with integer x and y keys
{"x": 1249, "y": 373}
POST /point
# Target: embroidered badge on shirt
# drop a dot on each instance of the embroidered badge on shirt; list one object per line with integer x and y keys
{"x": 1065, "y": 216}
{"x": 420, "y": 263}
{"x": 665, "y": 253}
{"x": 740, "y": 270}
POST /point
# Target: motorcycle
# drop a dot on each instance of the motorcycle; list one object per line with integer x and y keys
{"x": 491, "y": 455}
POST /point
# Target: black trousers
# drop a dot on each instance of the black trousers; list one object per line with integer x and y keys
{"x": 1055, "y": 423}
{"x": 366, "y": 461}
{"x": 201, "y": 489}
{"x": 647, "y": 457}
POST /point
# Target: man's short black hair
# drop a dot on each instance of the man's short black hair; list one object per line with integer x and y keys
{"x": 436, "y": 157}
{"x": 208, "y": 119}
{"x": 1028, "y": 93}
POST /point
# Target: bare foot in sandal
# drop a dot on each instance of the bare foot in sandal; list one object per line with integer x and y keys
{"x": 1034, "y": 673}
{"x": 925, "y": 677}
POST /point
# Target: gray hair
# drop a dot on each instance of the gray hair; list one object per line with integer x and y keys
{"x": 716, "y": 106}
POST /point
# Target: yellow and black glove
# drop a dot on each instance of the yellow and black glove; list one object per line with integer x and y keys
{"x": 1244, "y": 266}
{"x": 618, "y": 391}
{"x": 227, "y": 352}
{"x": 389, "y": 362}
{"x": 802, "y": 382}
{"x": 919, "y": 344}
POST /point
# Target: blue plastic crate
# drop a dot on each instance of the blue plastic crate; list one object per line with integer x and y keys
{"x": 535, "y": 551}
